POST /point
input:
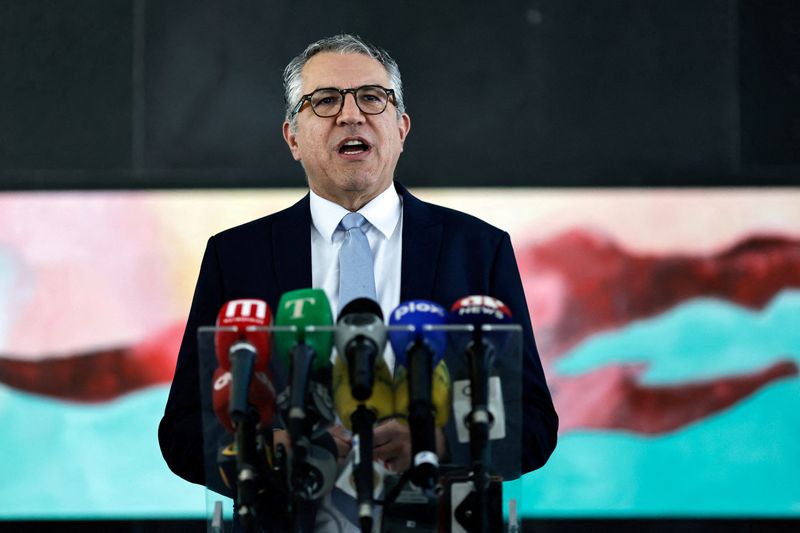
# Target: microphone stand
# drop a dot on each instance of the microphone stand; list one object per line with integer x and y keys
{"x": 246, "y": 477}
{"x": 363, "y": 420}
{"x": 244, "y": 418}
{"x": 300, "y": 423}
{"x": 479, "y": 420}
{"x": 361, "y": 353}
{"x": 360, "y": 350}
{"x": 420, "y": 416}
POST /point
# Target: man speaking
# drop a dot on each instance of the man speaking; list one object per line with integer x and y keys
{"x": 346, "y": 125}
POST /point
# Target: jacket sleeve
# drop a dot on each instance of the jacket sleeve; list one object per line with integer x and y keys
{"x": 539, "y": 418}
{"x": 180, "y": 433}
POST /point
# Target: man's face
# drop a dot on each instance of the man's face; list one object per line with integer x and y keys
{"x": 348, "y": 176}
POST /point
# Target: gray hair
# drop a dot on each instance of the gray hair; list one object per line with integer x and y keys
{"x": 344, "y": 44}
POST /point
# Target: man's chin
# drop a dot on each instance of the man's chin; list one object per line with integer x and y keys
{"x": 356, "y": 188}
{"x": 363, "y": 183}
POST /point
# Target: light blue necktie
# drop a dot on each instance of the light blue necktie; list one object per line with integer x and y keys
{"x": 356, "y": 280}
{"x": 356, "y": 275}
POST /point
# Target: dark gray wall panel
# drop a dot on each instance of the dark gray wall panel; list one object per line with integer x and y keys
{"x": 770, "y": 87}
{"x": 187, "y": 93}
{"x": 518, "y": 93}
{"x": 65, "y": 91}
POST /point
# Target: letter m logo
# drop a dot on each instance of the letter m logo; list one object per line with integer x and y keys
{"x": 246, "y": 308}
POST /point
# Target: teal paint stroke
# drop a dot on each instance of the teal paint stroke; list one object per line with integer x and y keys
{"x": 743, "y": 462}
{"x": 701, "y": 339}
{"x": 69, "y": 460}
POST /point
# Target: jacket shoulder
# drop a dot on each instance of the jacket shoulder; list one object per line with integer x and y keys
{"x": 460, "y": 219}
{"x": 426, "y": 213}
{"x": 453, "y": 221}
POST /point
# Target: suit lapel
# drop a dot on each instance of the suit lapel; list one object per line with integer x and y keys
{"x": 291, "y": 247}
{"x": 422, "y": 239}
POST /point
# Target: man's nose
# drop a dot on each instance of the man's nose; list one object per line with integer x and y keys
{"x": 350, "y": 114}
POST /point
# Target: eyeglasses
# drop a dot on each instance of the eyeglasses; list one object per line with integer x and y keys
{"x": 328, "y": 102}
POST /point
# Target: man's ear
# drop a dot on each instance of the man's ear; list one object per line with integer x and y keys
{"x": 291, "y": 140}
{"x": 404, "y": 124}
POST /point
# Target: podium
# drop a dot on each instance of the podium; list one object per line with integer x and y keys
{"x": 449, "y": 510}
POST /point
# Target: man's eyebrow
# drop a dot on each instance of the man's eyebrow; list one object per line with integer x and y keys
{"x": 340, "y": 88}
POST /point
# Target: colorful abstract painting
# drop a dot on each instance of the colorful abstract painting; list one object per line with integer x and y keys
{"x": 668, "y": 322}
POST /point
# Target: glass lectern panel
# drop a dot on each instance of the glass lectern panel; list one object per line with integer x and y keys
{"x": 500, "y": 349}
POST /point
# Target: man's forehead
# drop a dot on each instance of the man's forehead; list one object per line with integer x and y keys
{"x": 342, "y": 70}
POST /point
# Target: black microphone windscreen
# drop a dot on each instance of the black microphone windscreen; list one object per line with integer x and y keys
{"x": 361, "y": 305}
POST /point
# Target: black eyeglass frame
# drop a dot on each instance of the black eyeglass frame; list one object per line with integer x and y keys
{"x": 390, "y": 96}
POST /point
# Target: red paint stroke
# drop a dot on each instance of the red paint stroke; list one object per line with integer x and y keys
{"x": 580, "y": 283}
{"x": 613, "y": 398}
{"x": 100, "y": 375}
{"x": 594, "y": 285}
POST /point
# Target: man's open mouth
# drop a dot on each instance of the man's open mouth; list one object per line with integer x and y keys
{"x": 353, "y": 147}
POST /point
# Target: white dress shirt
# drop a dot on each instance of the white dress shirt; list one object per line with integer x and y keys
{"x": 384, "y": 232}
{"x": 384, "y": 215}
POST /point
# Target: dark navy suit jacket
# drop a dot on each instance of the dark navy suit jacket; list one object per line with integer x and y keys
{"x": 446, "y": 255}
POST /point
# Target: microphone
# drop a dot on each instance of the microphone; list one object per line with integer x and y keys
{"x": 243, "y": 350}
{"x": 478, "y": 311}
{"x": 380, "y": 403}
{"x": 261, "y": 397}
{"x": 422, "y": 381}
{"x": 361, "y": 338}
{"x": 362, "y": 389}
{"x": 305, "y": 353}
{"x": 308, "y": 401}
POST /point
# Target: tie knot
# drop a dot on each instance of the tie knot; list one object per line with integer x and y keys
{"x": 353, "y": 220}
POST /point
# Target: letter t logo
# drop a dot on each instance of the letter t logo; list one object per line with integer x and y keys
{"x": 297, "y": 306}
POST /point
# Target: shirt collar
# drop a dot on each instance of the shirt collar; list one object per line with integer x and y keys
{"x": 382, "y": 212}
